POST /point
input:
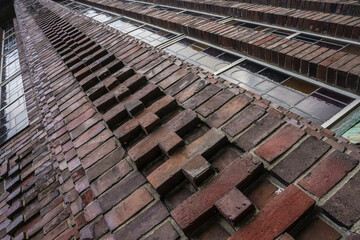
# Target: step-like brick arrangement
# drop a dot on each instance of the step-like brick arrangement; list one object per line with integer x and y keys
{"x": 337, "y": 68}
{"x": 319, "y": 18}
{"x": 332, "y": 6}
{"x": 141, "y": 145}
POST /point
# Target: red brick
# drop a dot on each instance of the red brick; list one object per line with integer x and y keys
{"x": 234, "y": 206}
{"x": 93, "y": 131}
{"x": 92, "y": 211}
{"x": 104, "y": 164}
{"x": 197, "y": 170}
{"x": 227, "y": 111}
{"x": 243, "y": 120}
{"x": 286, "y": 236}
{"x": 277, "y": 216}
{"x": 148, "y": 148}
{"x": 164, "y": 177}
{"x": 214, "y": 232}
{"x": 317, "y": 229}
{"x": 166, "y": 231}
{"x": 328, "y": 173}
{"x": 215, "y": 102}
{"x": 120, "y": 190}
{"x": 101, "y": 151}
{"x": 93, "y": 143}
{"x": 263, "y": 193}
{"x": 260, "y": 130}
{"x": 191, "y": 90}
{"x": 202, "y": 96}
{"x": 176, "y": 76}
{"x": 128, "y": 208}
{"x": 300, "y": 159}
{"x": 181, "y": 84}
{"x": 144, "y": 222}
{"x": 197, "y": 208}
{"x": 95, "y": 230}
{"x": 109, "y": 178}
{"x": 279, "y": 143}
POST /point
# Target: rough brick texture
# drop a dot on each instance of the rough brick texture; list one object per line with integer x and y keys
{"x": 128, "y": 142}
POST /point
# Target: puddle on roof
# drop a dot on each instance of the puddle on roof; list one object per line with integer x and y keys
{"x": 319, "y": 107}
{"x": 335, "y": 95}
{"x": 251, "y": 66}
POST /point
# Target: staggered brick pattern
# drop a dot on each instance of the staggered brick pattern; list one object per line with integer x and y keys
{"x": 126, "y": 142}
{"x": 339, "y": 68}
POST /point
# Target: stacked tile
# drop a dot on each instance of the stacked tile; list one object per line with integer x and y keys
{"x": 141, "y": 145}
{"x": 339, "y": 68}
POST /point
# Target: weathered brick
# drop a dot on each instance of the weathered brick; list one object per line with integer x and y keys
{"x": 202, "y": 96}
{"x": 120, "y": 190}
{"x": 279, "y": 143}
{"x": 197, "y": 170}
{"x": 277, "y": 216}
{"x": 144, "y": 222}
{"x": 148, "y": 148}
{"x": 169, "y": 173}
{"x": 109, "y": 178}
{"x": 227, "y": 111}
{"x": 319, "y": 230}
{"x": 104, "y": 164}
{"x": 260, "y": 130}
{"x": 243, "y": 120}
{"x": 328, "y": 173}
{"x": 215, "y": 102}
{"x": 197, "y": 208}
{"x": 127, "y": 208}
{"x": 166, "y": 231}
{"x": 263, "y": 193}
{"x": 301, "y": 159}
{"x": 234, "y": 206}
{"x": 101, "y": 151}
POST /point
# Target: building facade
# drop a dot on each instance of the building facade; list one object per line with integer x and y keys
{"x": 182, "y": 119}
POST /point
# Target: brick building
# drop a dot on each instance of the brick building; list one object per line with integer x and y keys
{"x": 185, "y": 119}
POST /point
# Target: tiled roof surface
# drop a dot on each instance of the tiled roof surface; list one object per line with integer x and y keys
{"x": 127, "y": 142}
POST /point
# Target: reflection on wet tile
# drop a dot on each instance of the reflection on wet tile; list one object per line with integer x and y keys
{"x": 328, "y": 100}
{"x": 274, "y": 75}
{"x": 211, "y": 62}
{"x": 213, "y": 52}
{"x": 318, "y": 108}
{"x": 246, "y": 78}
{"x": 227, "y": 57}
{"x": 286, "y": 95}
{"x": 300, "y": 85}
{"x": 251, "y": 66}
{"x": 335, "y": 95}
{"x": 186, "y": 42}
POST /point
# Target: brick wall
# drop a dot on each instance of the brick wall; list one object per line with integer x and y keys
{"x": 127, "y": 142}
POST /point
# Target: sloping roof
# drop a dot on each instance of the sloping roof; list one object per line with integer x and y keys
{"x": 128, "y": 142}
